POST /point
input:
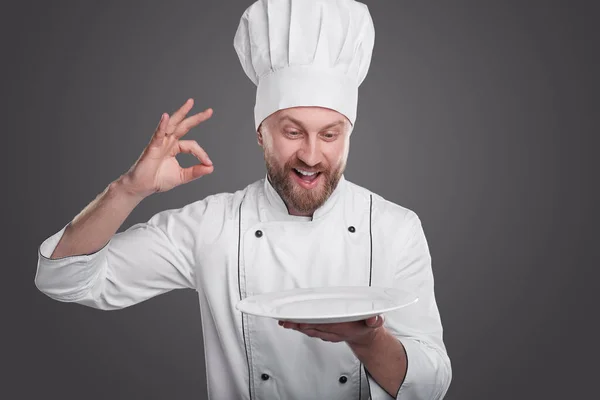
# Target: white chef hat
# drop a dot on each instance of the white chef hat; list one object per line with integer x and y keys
{"x": 305, "y": 53}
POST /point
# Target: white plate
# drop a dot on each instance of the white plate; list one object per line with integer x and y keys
{"x": 326, "y": 304}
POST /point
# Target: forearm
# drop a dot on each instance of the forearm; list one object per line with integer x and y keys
{"x": 385, "y": 359}
{"x": 93, "y": 227}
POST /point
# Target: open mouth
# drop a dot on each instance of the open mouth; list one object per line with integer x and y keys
{"x": 306, "y": 176}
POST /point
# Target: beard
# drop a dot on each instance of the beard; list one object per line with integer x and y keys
{"x": 305, "y": 201}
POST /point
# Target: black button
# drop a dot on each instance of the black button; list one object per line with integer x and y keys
{"x": 343, "y": 379}
{"x": 351, "y": 229}
{"x": 264, "y": 377}
{"x": 258, "y": 233}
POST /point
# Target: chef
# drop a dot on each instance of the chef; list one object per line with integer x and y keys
{"x": 302, "y": 226}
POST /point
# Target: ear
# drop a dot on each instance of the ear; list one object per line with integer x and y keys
{"x": 259, "y": 136}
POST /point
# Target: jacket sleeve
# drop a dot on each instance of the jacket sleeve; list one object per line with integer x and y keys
{"x": 137, "y": 264}
{"x": 418, "y": 326}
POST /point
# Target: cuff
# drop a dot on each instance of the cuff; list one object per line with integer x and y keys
{"x": 427, "y": 376}
{"x": 67, "y": 278}
{"x": 376, "y": 391}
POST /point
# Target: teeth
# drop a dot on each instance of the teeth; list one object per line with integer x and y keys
{"x": 305, "y": 173}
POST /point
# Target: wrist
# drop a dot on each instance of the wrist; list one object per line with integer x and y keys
{"x": 124, "y": 189}
{"x": 369, "y": 340}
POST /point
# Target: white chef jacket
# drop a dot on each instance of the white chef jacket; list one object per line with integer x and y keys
{"x": 232, "y": 245}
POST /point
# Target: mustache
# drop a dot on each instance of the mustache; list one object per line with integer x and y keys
{"x": 302, "y": 166}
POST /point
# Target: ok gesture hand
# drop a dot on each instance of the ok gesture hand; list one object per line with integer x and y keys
{"x": 157, "y": 169}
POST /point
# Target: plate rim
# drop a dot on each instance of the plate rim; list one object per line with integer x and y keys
{"x": 240, "y": 304}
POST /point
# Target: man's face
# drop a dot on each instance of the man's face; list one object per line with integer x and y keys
{"x": 306, "y": 149}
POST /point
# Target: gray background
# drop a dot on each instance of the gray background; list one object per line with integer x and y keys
{"x": 479, "y": 116}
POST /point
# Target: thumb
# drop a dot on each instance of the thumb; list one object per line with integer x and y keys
{"x": 375, "y": 322}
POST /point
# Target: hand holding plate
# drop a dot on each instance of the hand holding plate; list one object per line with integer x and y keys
{"x": 354, "y": 333}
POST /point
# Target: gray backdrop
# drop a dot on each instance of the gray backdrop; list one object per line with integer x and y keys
{"x": 479, "y": 116}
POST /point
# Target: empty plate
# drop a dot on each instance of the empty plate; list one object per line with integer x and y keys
{"x": 326, "y": 304}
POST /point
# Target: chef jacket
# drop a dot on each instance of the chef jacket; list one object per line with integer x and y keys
{"x": 228, "y": 246}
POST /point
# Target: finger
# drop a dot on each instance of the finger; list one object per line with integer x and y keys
{"x": 184, "y": 126}
{"x": 374, "y": 322}
{"x": 289, "y": 325}
{"x": 323, "y": 328}
{"x": 161, "y": 128}
{"x": 335, "y": 327}
{"x": 192, "y": 147}
{"x": 180, "y": 114}
{"x": 194, "y": 172}
{"x": 309, "y": 326}
{"x": 326, "y": 336}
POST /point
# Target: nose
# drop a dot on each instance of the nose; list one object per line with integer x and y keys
{"x": 310, "y": 153}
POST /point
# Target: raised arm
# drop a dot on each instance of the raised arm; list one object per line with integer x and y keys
{"x": 156, "y": 170}
{"x": 88, "y": 262}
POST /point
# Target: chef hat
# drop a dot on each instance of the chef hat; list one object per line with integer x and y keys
{"x": 305, "y": 53}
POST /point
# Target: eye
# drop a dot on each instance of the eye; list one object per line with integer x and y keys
{"x": 293, "y": 133}
{"x": 330, "y": 135}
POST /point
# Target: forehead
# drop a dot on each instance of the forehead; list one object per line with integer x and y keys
{"x": 309, "y": 117}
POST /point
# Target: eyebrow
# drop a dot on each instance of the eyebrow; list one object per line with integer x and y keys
{"x": 295, "y": 121}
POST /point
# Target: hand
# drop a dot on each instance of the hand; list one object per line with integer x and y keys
{"x": 354, "y": 333}
{"x": 157, "y": 169}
